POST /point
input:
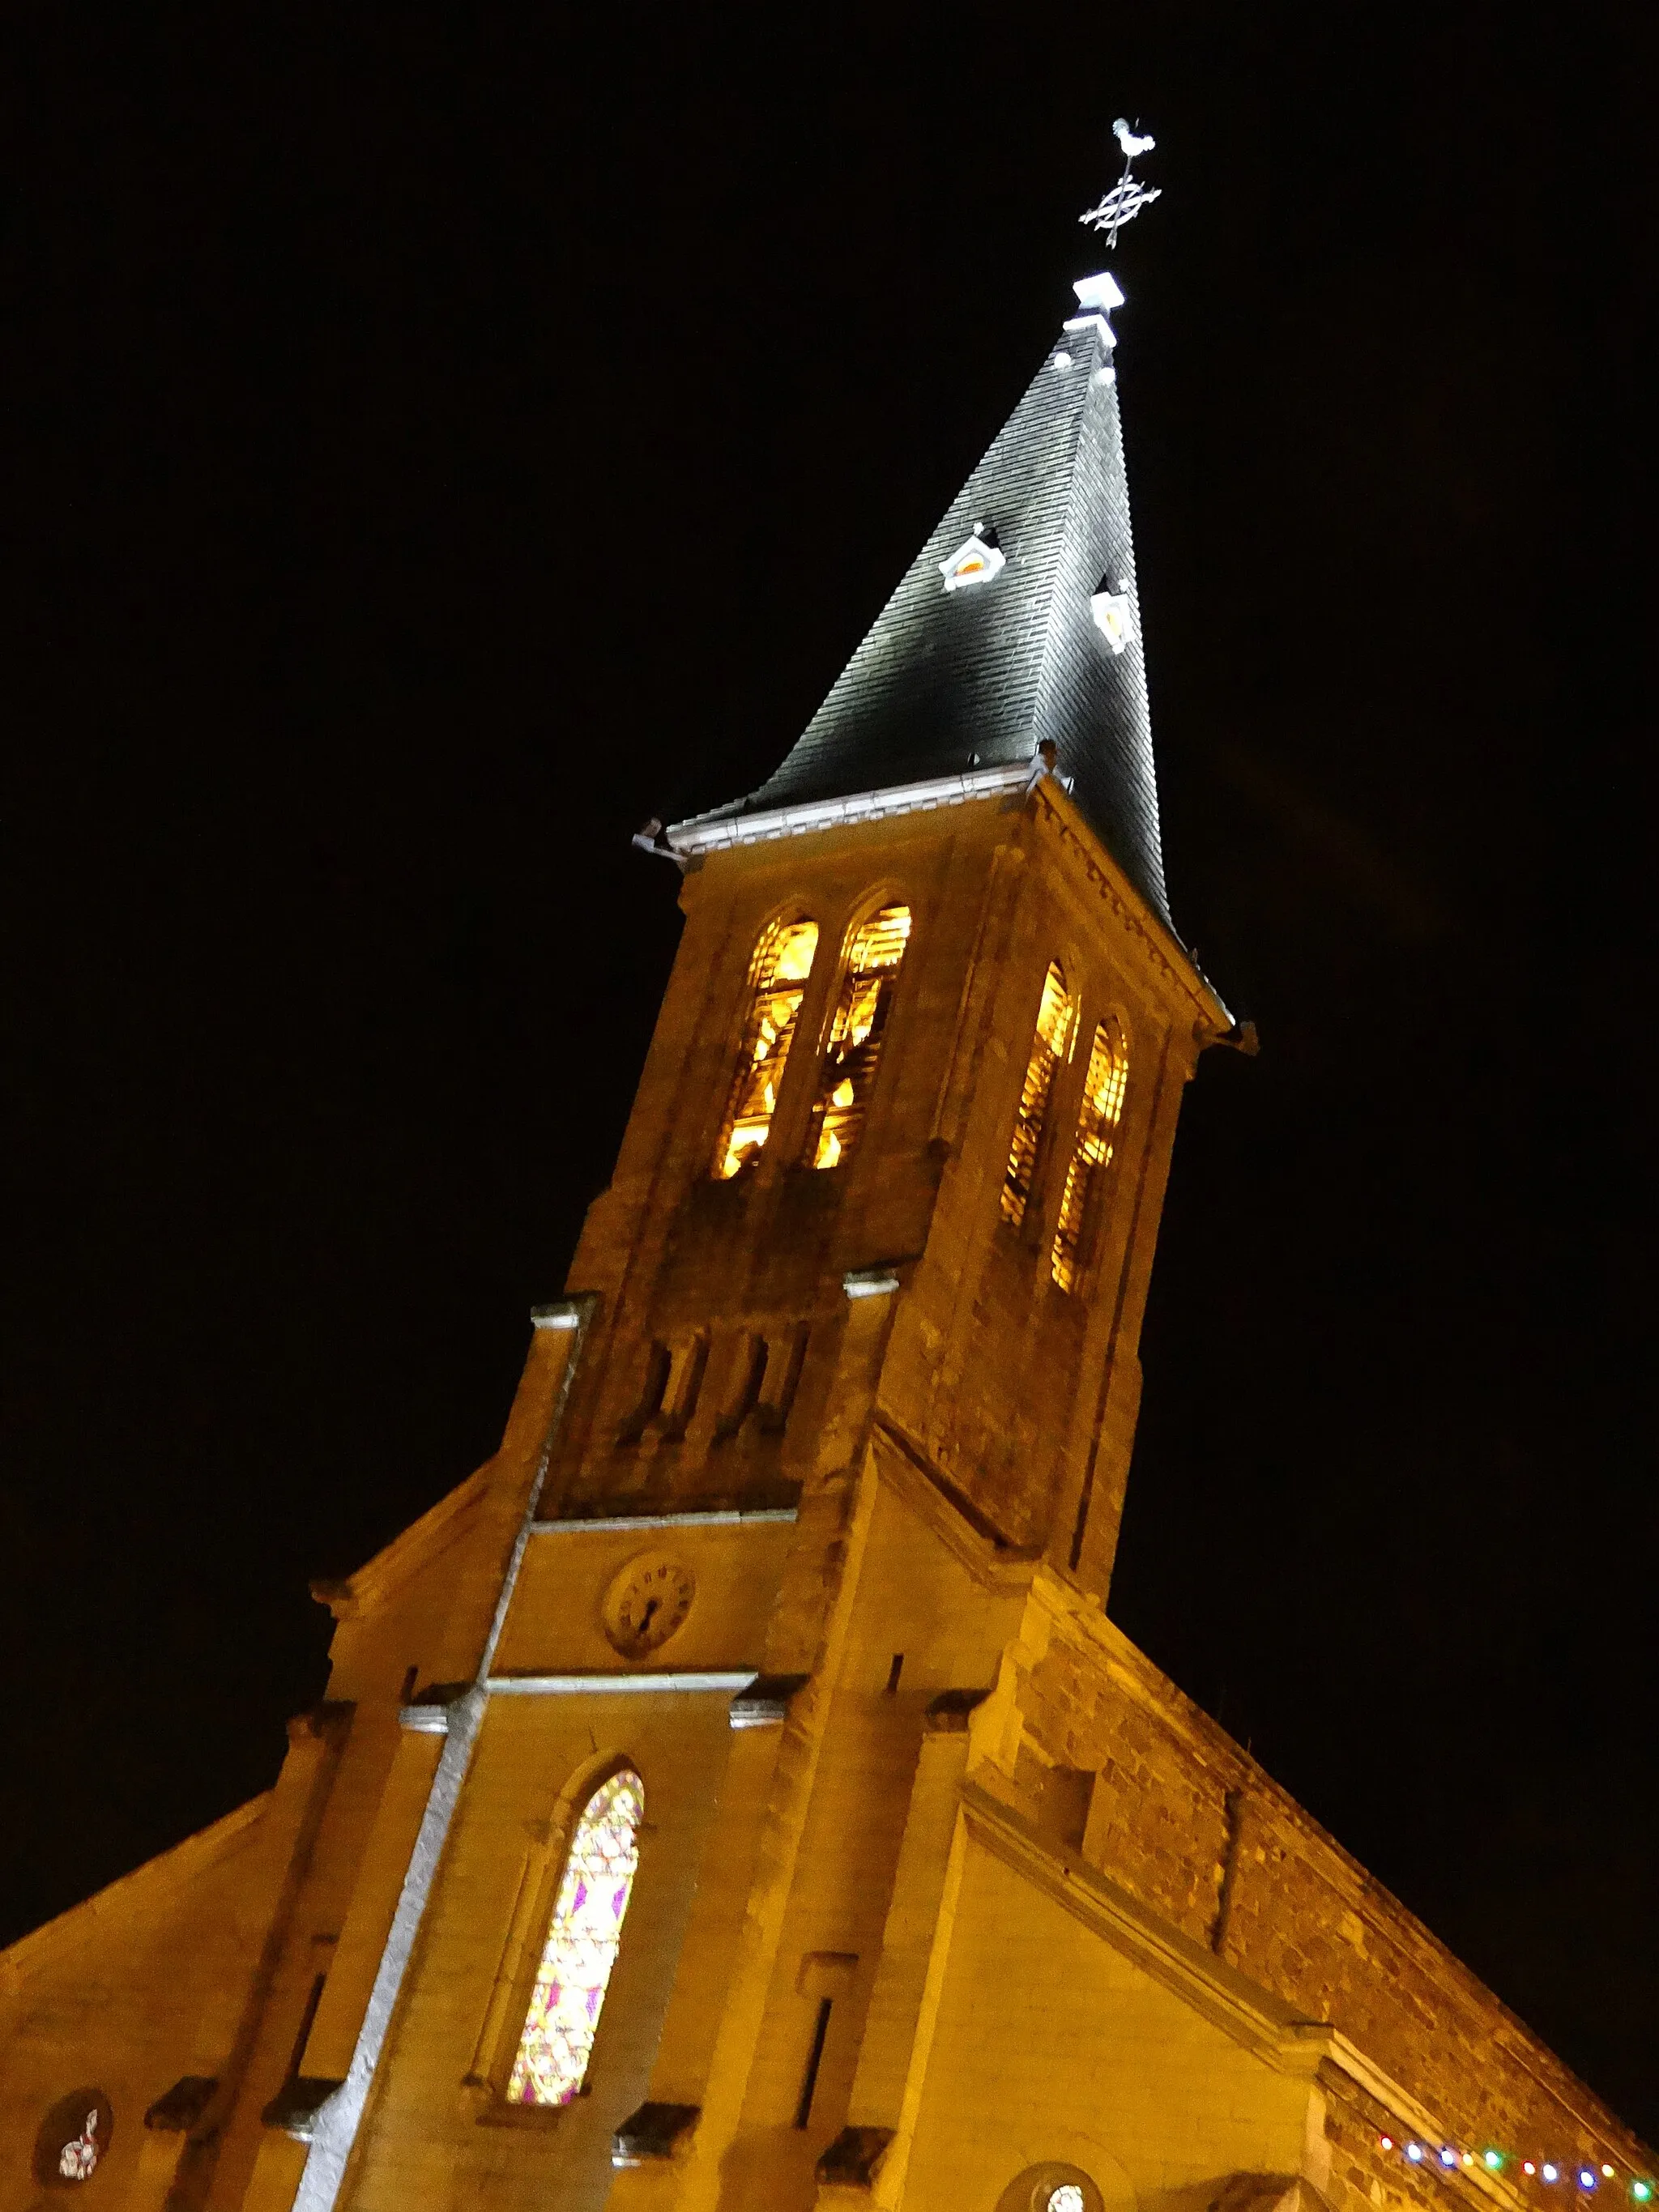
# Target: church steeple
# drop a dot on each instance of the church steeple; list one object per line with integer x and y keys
{"x": 925, "y": 1042}
{"x": 735, "y": 1796}
{"x": 1016, "y": 626}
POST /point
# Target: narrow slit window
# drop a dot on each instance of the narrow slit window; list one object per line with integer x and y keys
{"x": 658, "y": 1367}
{"x": 785, "y": 1352}
{"x": 750, "y": 1377}
{"x": 777, "y": 984}
{"x": 814, "y": 2060}
{"x": 688, "y": 1359}
{"x": 1097, "y": 1134}
{"x": 581, "y": 1950}
{"x": 1050, "y": 1048}
{"x": 873, "y": 956}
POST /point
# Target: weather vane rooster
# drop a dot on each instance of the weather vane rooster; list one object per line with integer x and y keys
{"x": 1127, "y": 196}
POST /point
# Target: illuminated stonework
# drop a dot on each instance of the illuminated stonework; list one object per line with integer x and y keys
{"x": 1049, "y": 1046}
{"x": 777, "y": 983}
{"x": 873, "y": 956}
{"x": 1096, "y": 1129}
{"x": 580, "y": 1949}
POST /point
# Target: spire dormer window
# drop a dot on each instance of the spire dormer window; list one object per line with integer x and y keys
{"x": 874, "y": 953}
{"x": 777, "y": 983}
{"x": 978, "y": 561}
{"x": 1050, "y": 1046}
{"x": 1114, "y": 613}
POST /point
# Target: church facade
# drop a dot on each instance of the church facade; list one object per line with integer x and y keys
{"x": 735, "y": 1797}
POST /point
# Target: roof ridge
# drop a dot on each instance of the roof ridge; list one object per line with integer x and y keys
{"x": 407, "y": 1553}
{"x": 143, "y": 1887}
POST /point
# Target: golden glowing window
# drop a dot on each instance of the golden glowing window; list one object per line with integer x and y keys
{"x": 777, "y": 984}
{"x": 1097, "y": 1133}
{"x": 1050, "y": 1048}
{"x": 581, "y": 1950}
{"x": 873, "y": 956}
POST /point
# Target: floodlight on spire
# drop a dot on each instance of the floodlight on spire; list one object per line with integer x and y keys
{"x": 1128, "y": 195}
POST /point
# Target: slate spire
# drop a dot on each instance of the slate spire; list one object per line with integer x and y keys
{"x": 1016, "y": 625}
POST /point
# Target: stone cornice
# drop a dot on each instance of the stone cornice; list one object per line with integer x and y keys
{"x": 716, "y": 833}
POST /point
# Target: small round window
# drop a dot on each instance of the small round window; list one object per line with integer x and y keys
{"x": 1056, "y": 2186}
{"x": 74, "y": 2139}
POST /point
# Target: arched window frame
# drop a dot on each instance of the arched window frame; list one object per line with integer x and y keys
{"x": 762, "y": 991}
{"x": 827, "y": 1117}
{"x": 510, "y": 2014}
{"x": 1096, "y": 1139}
{"x": 1053, "y": 1037}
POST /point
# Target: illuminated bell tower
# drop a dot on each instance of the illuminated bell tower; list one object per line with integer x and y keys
{"x": 923, "y": 1045}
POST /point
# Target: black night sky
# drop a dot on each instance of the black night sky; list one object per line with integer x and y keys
{"x": 432, "y": 443}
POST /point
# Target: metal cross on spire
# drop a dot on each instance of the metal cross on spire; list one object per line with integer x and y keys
{"x": 1127, "y": 196}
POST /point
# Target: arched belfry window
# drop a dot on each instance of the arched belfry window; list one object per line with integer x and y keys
{"x": 1097, "y": 1134}
{"x": 777, "y": 983}
{"x": 580, "y": 1949}
{"x": 1049, "y": 1049}
{"x": 875, "y": 951}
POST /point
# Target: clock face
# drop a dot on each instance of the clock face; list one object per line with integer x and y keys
{"x": 647, "y": 1603}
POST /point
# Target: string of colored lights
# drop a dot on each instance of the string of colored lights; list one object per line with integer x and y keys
{"x": 1582, "y": 2176}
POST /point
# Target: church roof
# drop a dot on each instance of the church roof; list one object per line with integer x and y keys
{"x": 1016, "y": 623}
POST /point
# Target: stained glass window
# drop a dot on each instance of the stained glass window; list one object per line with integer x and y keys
{"x": 777, "y": 984}
{"x": 72, "y": 2142}
{"x": 873, "y": 954}
{"x": 78, "y": 2160}
{"x": 1097, "y": 1131}
{"x": 1049, "y": 1046}
{"x": 580, "y": 1949}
